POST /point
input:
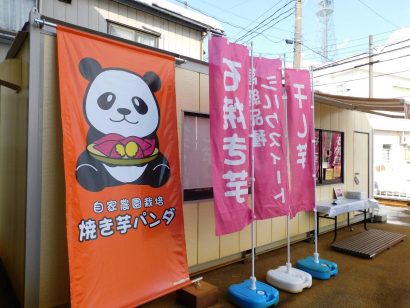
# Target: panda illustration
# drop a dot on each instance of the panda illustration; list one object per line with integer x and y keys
{"x": 123, "y": 114}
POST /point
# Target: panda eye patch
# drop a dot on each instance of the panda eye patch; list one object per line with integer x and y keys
{"x": 106, "y": 100}
{"x": 139, "y": 105}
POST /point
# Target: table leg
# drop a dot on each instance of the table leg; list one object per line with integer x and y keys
{"x": 335, "y": 231}
{"x": 365, "y": 224}
{"x": 348, "y": 221}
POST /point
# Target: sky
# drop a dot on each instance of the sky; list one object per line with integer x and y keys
{"x": 352, "y": 21}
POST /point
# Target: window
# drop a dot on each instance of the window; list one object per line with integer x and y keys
{"x": 13, "y": 14}
{"x": 196, "y": 157}
{"x": 329, "y": 147}
{"x": 386, "y": 152}
{"x": 132, "y": 34}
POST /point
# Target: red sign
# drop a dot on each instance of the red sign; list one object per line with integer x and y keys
{"x": 317, "y": 163}
{"x": 230, "y": 129}
{"x": 125, "y": 233}
{"x": 335, "y": 156}
{"x": 271, "y": 170}
{"x": 301, "y": 140}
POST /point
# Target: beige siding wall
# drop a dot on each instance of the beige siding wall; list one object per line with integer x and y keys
{"x": 13, "y": 155}
{"x": 93, "y": 14}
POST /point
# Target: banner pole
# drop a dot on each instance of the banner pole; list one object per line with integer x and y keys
{"x": 316, "y": 254}
{"x": 253, "y": 278}
{"x": 285, "y": 100}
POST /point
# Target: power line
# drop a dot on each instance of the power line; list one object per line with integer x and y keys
{"x": 271, "y": 8}
{"x": 260, "y": 16}
{"x": 362, "y": 78}
{"x": 236, "y": 5}
{"x": 223, "y": 10}
{"x": 263, "y": 22}
{"x": 338, "y": 63}
{"x": 344, "y": 49}
{"x": 293, "y": 41}
{"x": 270, "y": 26}
{"x": 220, "y": 20}
{"x": 206, "y": 14}
{"x": 382, "y": 17}
{"x": 364, "y": 37}
{"x": 351, "y": 68}
{"x": 364, "y": 44}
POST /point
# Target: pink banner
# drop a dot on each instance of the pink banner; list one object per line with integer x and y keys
{"x": 230, "y": 128}
{"x": 335, "y": 150}
{"x": 268, "y": 117}
{"x": 324, "y": 141}
{"x": 300, "y": 133}
{"x": 317, "y": 165}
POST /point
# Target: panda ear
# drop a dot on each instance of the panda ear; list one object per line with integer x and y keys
{"x": 153, "y": 81}
{"x": 89, "y": 68}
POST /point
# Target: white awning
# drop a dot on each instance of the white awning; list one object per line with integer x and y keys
{"x": 389, "y": 107}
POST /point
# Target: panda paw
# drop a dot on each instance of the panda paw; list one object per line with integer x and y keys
{"x": 159, "y": 174}
{"x": 89, "y": 178}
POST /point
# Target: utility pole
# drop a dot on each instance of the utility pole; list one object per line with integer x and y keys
{"x": 370, "y": 66}
{"x": 297, "y": 46}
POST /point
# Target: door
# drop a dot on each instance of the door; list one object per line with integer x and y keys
{"x": 361, "y": 162}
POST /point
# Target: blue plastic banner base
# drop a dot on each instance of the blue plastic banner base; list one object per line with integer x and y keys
{"x": 242, "y": 296}
{"x": 323, "y": 270}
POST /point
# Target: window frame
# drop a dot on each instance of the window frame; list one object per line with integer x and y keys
{"x": 320, "y": 179}
{"x": 154, "y": 34}
{"x": 193, "y": 194}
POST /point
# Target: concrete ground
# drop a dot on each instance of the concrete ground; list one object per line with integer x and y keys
{"x": 379, "y": 282}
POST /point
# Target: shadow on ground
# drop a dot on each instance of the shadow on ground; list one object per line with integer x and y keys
{"x": 379, "y": 282}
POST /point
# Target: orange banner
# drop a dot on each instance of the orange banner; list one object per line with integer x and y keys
{"x": 125, "y": 233}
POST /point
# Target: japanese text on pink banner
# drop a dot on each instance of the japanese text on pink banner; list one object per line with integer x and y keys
{"x": 229, "y": 122}
{"x": 235, "y": 143}
{"x": 268, "y": 118}
{"x": 300, "y": 128}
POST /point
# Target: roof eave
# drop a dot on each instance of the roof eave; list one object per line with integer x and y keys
{"x": 169, "y": 15}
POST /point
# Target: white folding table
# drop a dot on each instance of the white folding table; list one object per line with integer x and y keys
{"x": 327, "y": 210}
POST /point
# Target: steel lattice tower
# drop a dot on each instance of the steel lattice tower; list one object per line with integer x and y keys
{"x": 324, "y": 14}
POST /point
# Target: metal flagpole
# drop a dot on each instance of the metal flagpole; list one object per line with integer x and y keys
{"x": 253, "y": 278}
{"x": 285, "y": 100}
{"x": 316, "y": 254}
